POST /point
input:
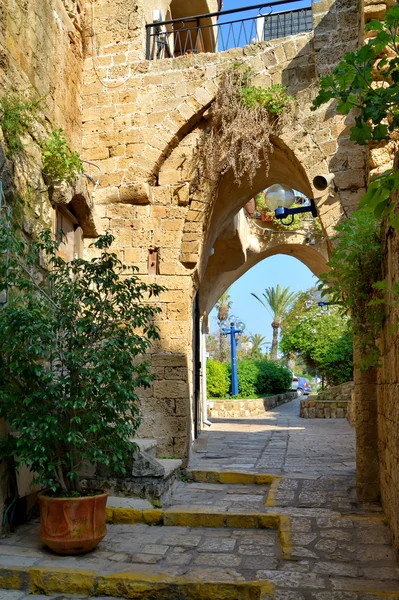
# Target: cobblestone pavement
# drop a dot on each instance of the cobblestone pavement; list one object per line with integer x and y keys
{"x": 340, "y": 550}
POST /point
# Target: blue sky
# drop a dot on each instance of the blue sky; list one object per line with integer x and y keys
{"x": 285, "y": 270}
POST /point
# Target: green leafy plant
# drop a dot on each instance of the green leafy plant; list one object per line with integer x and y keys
{"x": 277, "y": 302}
{"x": 59, "y": 163}
{"x": 217, "y": 379}
{"x": 16, "y": 115}
{"x": 355, "y": 280}
{"x": 72, "y": 342}
{"x": 273, "y": 378}
{"x": 322, "y": 339}
{"x": 368, "y": 80}
{"x": 244, "y": 117}
{"x": 273, "y": 99}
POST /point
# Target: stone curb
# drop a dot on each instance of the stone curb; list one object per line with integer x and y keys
{"x": 200, "y": 518}
{"x": 48, "y": 581}
{"x": 238, "y": 477}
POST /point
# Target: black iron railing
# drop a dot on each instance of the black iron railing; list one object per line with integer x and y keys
{"x": 215, "y": 32}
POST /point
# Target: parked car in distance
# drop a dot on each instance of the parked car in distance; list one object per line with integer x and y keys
{"x": 304, "y": 386}
{"x": 295, "y": 383}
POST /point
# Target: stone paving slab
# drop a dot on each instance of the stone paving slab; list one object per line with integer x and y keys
{"x": 340, "y": 550}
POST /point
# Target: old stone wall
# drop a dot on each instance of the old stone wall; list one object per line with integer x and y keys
{"x": 41, "y": 54}
{"x": 332, "y": 403}
{"x": 247, "y": 408}
{"x": 142, "y": 122}
{"x": 388, "y": 390}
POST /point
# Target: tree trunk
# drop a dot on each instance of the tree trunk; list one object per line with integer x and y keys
{"x": 275, "y": 326}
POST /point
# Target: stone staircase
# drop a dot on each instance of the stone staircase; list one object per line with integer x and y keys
{"x": 147, "y": 476}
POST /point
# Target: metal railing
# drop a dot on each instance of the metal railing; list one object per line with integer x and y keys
{"x": 214, "y": 32}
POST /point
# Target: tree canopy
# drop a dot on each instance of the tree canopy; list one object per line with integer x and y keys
{"x": 322, "y": 339}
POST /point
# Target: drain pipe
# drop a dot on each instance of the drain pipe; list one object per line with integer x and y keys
{"x": 203, "y": 375}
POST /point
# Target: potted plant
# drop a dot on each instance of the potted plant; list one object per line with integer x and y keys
{"x": 72, "y": 338}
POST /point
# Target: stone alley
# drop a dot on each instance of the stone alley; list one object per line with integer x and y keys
{"x": 298, "y": 534}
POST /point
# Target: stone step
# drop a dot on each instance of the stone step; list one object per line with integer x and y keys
{"x": 147, "y": 477}
{"x": 170, "y": 465}
{"x": 146, "y": 445}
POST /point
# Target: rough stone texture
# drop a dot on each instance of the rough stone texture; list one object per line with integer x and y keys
{"x": 332, "y": 403}
{"x": 244, "y": 408}
{"x": 142, "y": 121}
{"x": 340, "y": 551}
{"x": 388, "y": 390}
{"x": 313, "y": 408}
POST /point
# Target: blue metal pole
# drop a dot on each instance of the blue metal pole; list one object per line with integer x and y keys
{"x": 234, "y": 376}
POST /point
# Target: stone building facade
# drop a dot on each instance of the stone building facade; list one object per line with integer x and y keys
{"x": 140, "y": 121}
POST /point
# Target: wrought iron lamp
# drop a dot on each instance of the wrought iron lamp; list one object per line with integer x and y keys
{"x": 280, "y": 198}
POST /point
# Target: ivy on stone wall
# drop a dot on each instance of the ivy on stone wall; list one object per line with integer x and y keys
{"x": 17, "y": 116}
{"x": 354, "y": 280}
{"x": 368, "y": 80}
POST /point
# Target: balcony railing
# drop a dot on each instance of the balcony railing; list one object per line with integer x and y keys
{"x": 215, "y": 32}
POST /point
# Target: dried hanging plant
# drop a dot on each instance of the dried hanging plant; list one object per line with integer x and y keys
{"x": 244, "y": 117}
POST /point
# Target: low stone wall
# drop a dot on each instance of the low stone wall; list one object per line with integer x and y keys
{"x": 220, "y": 408}
{"x": 316, "y": 409}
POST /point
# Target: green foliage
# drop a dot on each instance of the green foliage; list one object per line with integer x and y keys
{"x": 353, "y": 280}
{"x": 322, "y": 339}
{"x": 261, "y": 377}
{"x": 273, "y": 378}
{"x": 274, "y": 99}
{"x": 369, "y": 83}
{"x": 248, "y": 373}
{"x": 255, "y": 378}
{"x": 257, "y": 340}
{"x": 277, "y": 302}
{"x": 72, "y": 340}
{"x": 16, "y": 117}
{"x": 217, "y": 379}
{"x": 59, "y": 163}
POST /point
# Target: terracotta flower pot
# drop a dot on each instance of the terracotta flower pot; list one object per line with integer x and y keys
{"x": 266, "y": 217}
{"x": 72, "y": 525}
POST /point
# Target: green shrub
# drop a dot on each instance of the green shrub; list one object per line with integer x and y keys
{"x": 272, "y": 377}
{"x": 248, "y": 373}
{"x": 59, "y": 163}
{"x": 16, "y": 116}
{"x": 217, "y": 379}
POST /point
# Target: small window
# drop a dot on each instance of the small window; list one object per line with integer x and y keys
{"x": 72, "y": 235}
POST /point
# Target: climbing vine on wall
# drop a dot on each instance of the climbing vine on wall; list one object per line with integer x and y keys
{"x": 17, "y": 116}
{"x": 244, "y": 116}
{"x": 354, "y": 280}
{"x": 368, "y": 80}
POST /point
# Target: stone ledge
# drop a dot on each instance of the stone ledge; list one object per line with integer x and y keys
{"x": 323, "y": 409}
{"x": 50, "y": 580}
{"x": 221, "y": 408}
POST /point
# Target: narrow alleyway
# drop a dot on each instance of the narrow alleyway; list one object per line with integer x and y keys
{"x": 332, "y": 549}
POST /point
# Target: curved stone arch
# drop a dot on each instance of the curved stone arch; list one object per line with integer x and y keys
{"x": 217, "y": 278}
{"x": 192, "y": 107}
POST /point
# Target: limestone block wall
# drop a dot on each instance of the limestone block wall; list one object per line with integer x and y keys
{"x": 142, "y": 121}
{"x": 41, "y": 53}
{"x": 388, "y": 392}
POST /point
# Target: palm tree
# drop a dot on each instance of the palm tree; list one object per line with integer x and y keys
{"x": 277, "y": 302}
{"x": 258, "y": 341}
{"x": 223, "y": 306}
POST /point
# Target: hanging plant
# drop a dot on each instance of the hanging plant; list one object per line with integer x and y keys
{"x": 244, "y": 117}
